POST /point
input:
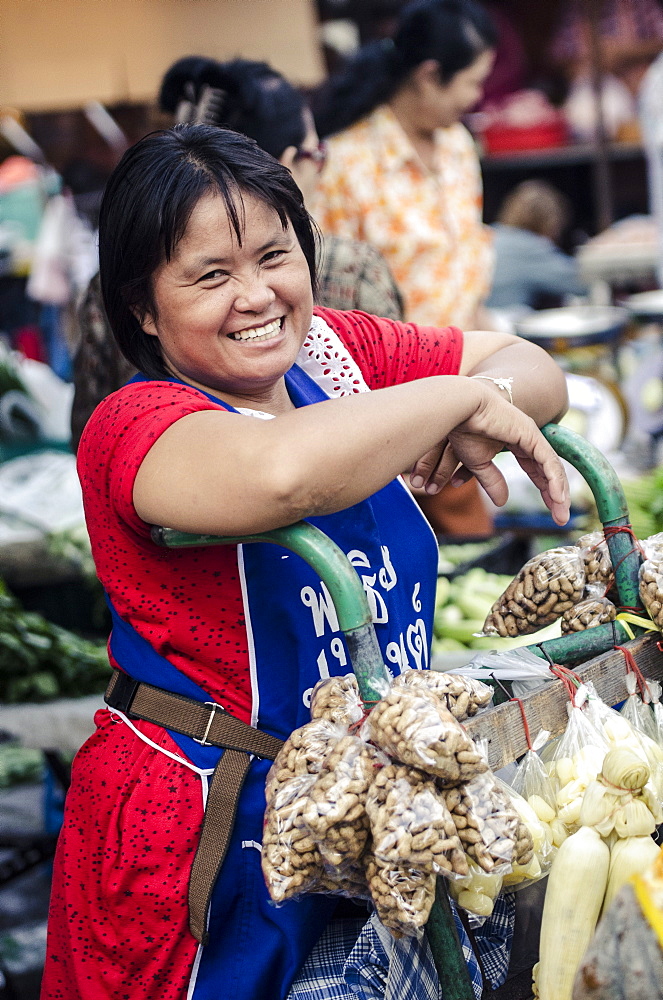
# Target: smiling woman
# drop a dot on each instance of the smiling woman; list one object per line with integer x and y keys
{"x": 207, "y": 266}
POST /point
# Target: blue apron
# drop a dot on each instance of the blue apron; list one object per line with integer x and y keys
{"x": 255, "y": 949}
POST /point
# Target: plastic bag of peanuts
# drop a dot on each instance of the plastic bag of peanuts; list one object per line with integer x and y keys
{"x": 304, "y": 752}
{"x": 335, "y": 809}
{"x": 291, "y": 862}
{"x": 337, "y": 699}
{"x": 410, "y": 823}
{"x": 488, "y": 825}
{"x": 596, "y": 556}
{"x": 653, "y": 547}
{"x": 462, "y": 696}
{"x": 548, "y": 585}
{"x": 402, "y": 896}
{"x": 588, "y": 613}
{"x": 412, "y": 726}
{"x": 651, "y": 590}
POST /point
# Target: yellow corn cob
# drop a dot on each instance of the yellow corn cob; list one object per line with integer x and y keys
{"x": 576, "y": 887}
{"x": 629, "y": 856}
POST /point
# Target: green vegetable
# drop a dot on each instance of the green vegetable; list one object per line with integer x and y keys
{"x": 473, "y": 605}
{"x": 19, "y": 764}
{"x": 40, "y": 661}
{"x": 448, "y": 646}
{"x": 463, "y": 630}
{"x": 462, "y": 606}
{"x": 453, "y": 555}
{"x": 443, "y": 591}
{"x": 644, "y": 497}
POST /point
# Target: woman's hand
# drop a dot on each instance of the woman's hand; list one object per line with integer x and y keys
{"x": 470, "y": 448}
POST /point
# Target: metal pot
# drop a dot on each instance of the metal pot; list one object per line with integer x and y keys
{"x": 560, "y": 330}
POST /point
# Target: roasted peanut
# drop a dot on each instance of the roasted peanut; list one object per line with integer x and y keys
{"x": 595, "y": 552}
{"x": 335, "y": 813}
{"x": 402, "y": 896}
{"x": 303, "y": 752}
{"x": 485, "y": 820}
{"x": 462, "y": 696}
{"x": 587, "y": 614}
{"x": 651, "y": 590}
{"x": 291, "y": 863}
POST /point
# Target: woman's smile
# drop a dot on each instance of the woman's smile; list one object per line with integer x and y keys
{"x": 259, "y": 334}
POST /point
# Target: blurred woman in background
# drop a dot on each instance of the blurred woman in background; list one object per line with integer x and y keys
{"x": 403, "y": 174}
{"x": 254, "y": 99}
{"x": 528, "y": 261}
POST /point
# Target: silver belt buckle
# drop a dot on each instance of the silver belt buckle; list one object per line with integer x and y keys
{"x": 214, "y": 707}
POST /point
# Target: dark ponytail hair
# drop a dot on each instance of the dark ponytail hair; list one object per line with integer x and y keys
{"x": 453, "y": 32}
{"x": 242, "y": 95}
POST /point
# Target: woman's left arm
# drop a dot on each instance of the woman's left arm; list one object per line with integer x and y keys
{"x": 536, "y": 382}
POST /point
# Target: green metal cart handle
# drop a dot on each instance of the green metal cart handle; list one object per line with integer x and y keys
{"x": 338, "y": 575}
{"x": 625, "y": 556}
{"x": 355, "y": 621}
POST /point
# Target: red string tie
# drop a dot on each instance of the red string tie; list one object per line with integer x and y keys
{"x": 632, "y": 667}
{"x": 624, "y": 529}
{"x": 619, "y": 788}
{"x": 528, "y": 738}
{"x": 570, "y": 680}
{"x": 354, "y": 727}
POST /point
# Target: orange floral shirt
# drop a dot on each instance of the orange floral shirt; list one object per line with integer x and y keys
{"x": 427, "y": 223}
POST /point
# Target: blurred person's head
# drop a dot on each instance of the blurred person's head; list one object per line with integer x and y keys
{"x": 439, "y": 58}
{"x": 537, "y": 207}
{"x": 148, "y": 208}
{"x": 251, "y": 98}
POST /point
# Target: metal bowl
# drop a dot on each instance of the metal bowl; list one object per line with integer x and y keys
{"x": 646, "y": 306}
{"x": 573, "y": 326}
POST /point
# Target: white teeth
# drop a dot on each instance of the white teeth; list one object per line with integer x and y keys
{"x": 259, "y": 332}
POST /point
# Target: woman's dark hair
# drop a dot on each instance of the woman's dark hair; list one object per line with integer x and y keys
{"x": 248, "y": 97}
{"x": 453, "y": 32}
{"x": 146, "y": 207}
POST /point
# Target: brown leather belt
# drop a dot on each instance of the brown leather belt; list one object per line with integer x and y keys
{"x": 210, "y": 725}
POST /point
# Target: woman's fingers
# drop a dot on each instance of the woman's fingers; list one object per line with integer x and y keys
{"x": 432, "y": 470}
{"x": 471, "y": 448}
{"x": 423, "y": 467}
{"x": 545, "y": 469}
{"x": 551, "y": 481}
{"x": 493, "y": 482}
{"x": 535, "y": 455}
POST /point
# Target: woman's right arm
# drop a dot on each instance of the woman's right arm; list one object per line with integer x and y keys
{"x": 221, "y": 473}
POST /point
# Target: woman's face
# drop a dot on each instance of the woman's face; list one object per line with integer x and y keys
{"x": 446, "y": 103}
{"x": 231, "y": 318}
